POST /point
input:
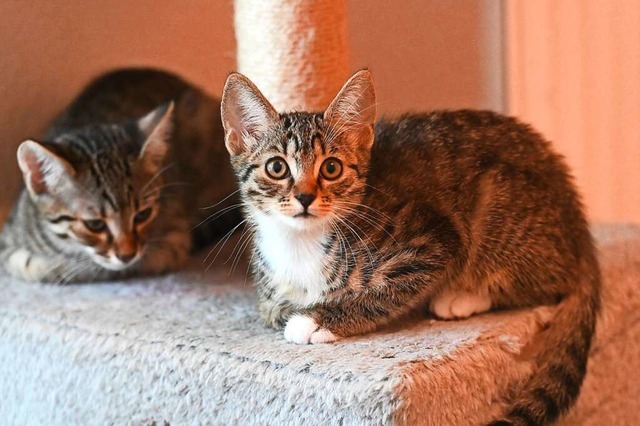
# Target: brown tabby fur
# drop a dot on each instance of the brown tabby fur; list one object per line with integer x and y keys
{"x": 462, "y": 202}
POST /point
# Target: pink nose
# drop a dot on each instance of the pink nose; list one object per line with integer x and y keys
{"x": 126, "y": 257}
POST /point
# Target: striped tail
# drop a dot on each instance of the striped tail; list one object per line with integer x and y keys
{"x": 561, "y": 364}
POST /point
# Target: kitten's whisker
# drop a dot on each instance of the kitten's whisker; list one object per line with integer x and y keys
{"x": 217, "y": 214}
{"x": 160, "y": 188}
{"x": 369, "y": 219}
{"x": 244, "y": 232}
{"x": 356, "y": 235}
{"x": 224, "y": 242}
{"x": 221, "y": 201}
{"x": 242, "y": 249}
{"x": 350, "y": 203}
{"x": 157, "y": 175}
{"x": 346, "y": 222}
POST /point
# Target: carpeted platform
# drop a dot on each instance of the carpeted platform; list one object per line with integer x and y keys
{"x": 188, "y": 348}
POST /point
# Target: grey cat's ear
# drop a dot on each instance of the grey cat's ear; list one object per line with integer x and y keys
{"x": 44, "y": 171}
{"x": 354, "y": 107}
{"x": 246, "y": 114}
{"x": 157, "y": 129}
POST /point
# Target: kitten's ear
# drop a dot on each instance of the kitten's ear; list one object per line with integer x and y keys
{"x": 354, "y": 108}
{"x": 156, "y": 129}
{"x": 246, "y": 114}
{"x": 44, "y": 171}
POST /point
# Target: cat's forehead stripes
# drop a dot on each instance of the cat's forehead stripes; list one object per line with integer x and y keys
{"x": 100, "y": 151}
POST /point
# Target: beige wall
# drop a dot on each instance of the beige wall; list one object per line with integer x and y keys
{"x": 574, "y": 72}
{"x": 424, "y": 54}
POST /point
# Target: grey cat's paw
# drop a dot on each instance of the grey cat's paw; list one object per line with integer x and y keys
{"x": 23, "y": 264}
{"x": 302, "y": 329}
{"x": 451, "y": 305}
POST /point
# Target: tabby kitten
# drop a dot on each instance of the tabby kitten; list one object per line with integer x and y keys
{"x": 115, "y": 189}
{"x": 357, "y": 224}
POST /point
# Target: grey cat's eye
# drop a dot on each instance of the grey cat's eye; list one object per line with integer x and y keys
{"x": 142, "y": 216}
{"x": 331, "y": 169}
{"x": 95, "y": 225}
{"x": 277, "y": 168}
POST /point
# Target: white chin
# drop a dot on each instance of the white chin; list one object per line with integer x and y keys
{"x": 301, "y": 222}
{"x": 112, "y": 266}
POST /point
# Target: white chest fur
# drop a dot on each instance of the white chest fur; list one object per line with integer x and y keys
{"x": 296, "y": 258}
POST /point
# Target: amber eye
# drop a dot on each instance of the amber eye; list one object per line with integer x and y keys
{"x": 331, "y": 169}
{"x": 95, "y": 225}
{"x": 142, "y": 216}
{"x": 277, "y": 168}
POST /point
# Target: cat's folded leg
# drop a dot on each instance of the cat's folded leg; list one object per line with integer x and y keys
{"x": 361, "y": 312}
{"x": 168, "y": 254}
{"x": 451, "y": 304}
{"x": 273, "y": 313}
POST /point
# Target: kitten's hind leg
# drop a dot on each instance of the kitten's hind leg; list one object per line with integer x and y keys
{"x": 452, "y": 304}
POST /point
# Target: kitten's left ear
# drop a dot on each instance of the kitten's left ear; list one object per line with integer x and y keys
{"x": 43, "y": 170}
{"x": 156, "y": 128}
{"x": 246, "y": 114}
{"x": 353, "y": 111}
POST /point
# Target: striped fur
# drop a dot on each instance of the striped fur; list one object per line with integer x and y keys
{"x": 463, "y": 210}
{"x": 116, "y": 189}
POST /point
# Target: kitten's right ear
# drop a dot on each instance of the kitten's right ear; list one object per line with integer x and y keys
{"x": 353, "y": 111}
{"x": 246, "y": 114}
{"x": 44, "y": 171}
{"x": 156, "y": 127}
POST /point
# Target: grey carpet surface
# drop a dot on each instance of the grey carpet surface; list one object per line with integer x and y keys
{"x": 189, "y": 348}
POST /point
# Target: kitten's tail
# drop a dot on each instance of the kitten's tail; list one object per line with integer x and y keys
{"x": 561, "y": 362}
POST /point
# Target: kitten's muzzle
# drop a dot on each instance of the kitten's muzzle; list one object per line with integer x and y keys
{"x": 305, "y": 199}
{"x": 126, "y": 257}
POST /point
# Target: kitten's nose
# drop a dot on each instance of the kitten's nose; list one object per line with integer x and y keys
{"x": 305, "y": 199}
{"x": 126, "y": 257}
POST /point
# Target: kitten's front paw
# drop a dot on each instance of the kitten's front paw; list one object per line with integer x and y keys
{"x": 450, "y": 304}
{"x": 302, "y": 329}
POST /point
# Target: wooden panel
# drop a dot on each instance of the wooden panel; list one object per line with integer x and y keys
{"x": 573, "y": 71}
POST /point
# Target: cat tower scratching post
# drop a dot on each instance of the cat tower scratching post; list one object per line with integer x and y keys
{"x": 294, "y": 50}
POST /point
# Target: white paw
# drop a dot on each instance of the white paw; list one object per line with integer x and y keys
{"x": 302, "y": 330}
{"x": 449, "y": 305}
{"x": 23, "y": 264}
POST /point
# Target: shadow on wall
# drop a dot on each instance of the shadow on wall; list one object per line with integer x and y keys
{"x": 424, "y": 54}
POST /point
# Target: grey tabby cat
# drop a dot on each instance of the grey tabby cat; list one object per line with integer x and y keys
{"x": 356, "y": 224}
{"x": 116, "y": 187}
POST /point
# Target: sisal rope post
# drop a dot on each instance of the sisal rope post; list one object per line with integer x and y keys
{"x": 295, "y": 51}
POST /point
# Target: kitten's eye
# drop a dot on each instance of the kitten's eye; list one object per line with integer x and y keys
{"x": 95, "y": 225}
{"x": 142, "y": 216}
{"x": 331, "y": 169}
{"x": 277, "y": 168}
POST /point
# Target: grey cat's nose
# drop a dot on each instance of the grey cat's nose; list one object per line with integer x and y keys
{"x": 305, "y": 199}
{"x": 126, "y": 257}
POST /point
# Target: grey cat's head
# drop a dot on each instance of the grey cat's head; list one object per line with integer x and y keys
{"x": 303, "y": 169}
{"x": 97, "y": 190}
